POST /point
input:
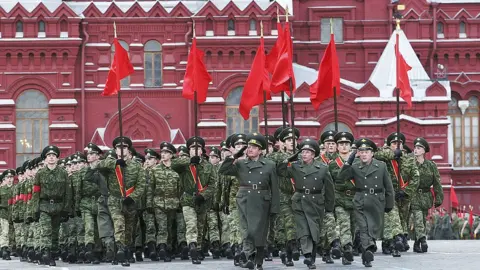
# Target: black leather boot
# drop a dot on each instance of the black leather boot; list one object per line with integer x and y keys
{"x": 250, "y": 262}
{"x": 416, "y": 247}
{"x": 397, "y": 246}
{"x": 127, "y": 257}
{"x": 289, "y": 254}
{"x": 236, "y": 257}
{"x": 152, "y": 252}
{"x": 89, "y": 256}
{"x": 194, "y": 253}
{"x": 162, "y": 251}
{"x": 139, "y": 254}
{"x": 129, "y": 254}
{"x": 81, "y": 253}
{"x": 110, "y": 252}
{"x": 367, "y": 258}
{"x": 423, "y": 244}
{"x": 406, "y": 246}
{"x": 216, "y": 250}
{"x": 168, "y": 256}
{"x": 327, "y": 258}
{"x": 259, "y": 256}
{"x": 347, "y": 254}
{"x": 120, "y": 255}
{"x": 268, "y": 254}
{"x": 295, "y": 250}
{"x": 72, "y": 254}
{"x": 336, "y": 249}
{"x": 38, "y": 257}
{"x": 282, "y": 254}
{"x": 386, "y": 247}
{"x": 227, "y": 251}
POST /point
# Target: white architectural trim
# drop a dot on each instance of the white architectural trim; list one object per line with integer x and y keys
{"x": 214, "y": 99}
{"x": 450, "y": 142}
{"x": 423, "y": 122}
{"x": 301, "y": 123}
{"x": 64, "y": 101}
{"x": 394, "y": 99}
{"x": 71, "y": 125}
{"x": 212, "y": 124}
{"x": 7, "y": 102}
{"x": 6, "y": 126}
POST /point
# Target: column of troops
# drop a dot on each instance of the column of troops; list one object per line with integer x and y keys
{"x": 253, "y": 198}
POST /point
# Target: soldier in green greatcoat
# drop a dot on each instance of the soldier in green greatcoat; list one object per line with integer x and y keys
{"x": 314, "y": 195}
{"x": 423, "y": 199}
{"x": 258, "y": 195}
{"x": 51, "y": 201}
{"x": 373, "y": 198}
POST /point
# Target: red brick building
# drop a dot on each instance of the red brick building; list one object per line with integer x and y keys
{"x": 55, "y": 56}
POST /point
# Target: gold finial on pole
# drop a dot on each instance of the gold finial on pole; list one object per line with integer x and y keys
{"x": 114, "y": 30}
{"x": 261, "y": 28}
{"x": 398, "y": 24}
{"x": 278, "y": 15}
{"x": 194, "y": 29}
{"x": 286, "y": 13}
{"x": 331, "y": 25}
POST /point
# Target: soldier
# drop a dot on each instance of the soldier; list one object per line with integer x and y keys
{"x": 311, "y": 179}
{"x": 77, "y": 227}
{"x": 5, "y": 191}
{"x": 257, "y": 198}
{"x": 181, "y": 230}
{"x": 197, "y": 186}
{"x": 163, "y": 201}
{"x": 423, "y": 199}
{"x": 373, "y": 197}
{"x": 330, "y": 238}
{"x": 51, "y": 200}
{"x": 405, "y": 178}
{"x": 213, "y": 213}
{"x": 271, "y": 140}
{"x": 344, "y": 192}
{"x": 125, "y": 186}
{"x": 224, "y": 219}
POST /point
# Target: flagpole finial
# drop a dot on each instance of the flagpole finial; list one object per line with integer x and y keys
{"x": 278, "y": 14}
{"x": 331, "y": 25}
{"x": 114, "y": 29}
{"x": 398, "y": 23}
{"x": 286, "y": 13}
{"x": 194, "y": 35}
{"x": 261, "y": 29}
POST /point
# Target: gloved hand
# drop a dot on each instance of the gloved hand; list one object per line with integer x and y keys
{"x": 387, "y": 210}
{"x": 121, "y": 163}
{"x": 240, "y": 152}
{"x": 150, "y": 210}
{"x": 199, "y": 199}
{"x": 29, "y": 220}
{"x": 195, "y": 160}
{"x": 400, "y": 195}
{"x": 398, "y": 153}
{"x": 128, "y": 201}
{"x": 64, "y": 218}
{"x": 437, "y": 204}
{"x": 36, "y": 216}
{"x": 78, "y": 213}
{"x": 226, "y": 210}
{"x": 293, "y": 157}
{"x": 216, "y": 207}
{"x": 352, "y": 156}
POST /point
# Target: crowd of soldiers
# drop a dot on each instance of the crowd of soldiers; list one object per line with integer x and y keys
{"x": 252, "y": 198}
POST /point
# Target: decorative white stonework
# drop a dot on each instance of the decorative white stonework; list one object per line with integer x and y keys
{"x": 7, "y": 102}
{"x": 463, "y": 105}
{"x": 71, "y": 125}
{"x": 6, "y": 126}
{"x": 212, "y": 124}
{"x": 65, "y": 101}
{"x": 209, "y": 33}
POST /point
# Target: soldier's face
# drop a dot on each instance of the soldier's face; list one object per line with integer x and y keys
{"x": 343, "y": 147}
{"x": 239, "y": 146}
{"x": 270, "y": 148}
{"x": 330, "y": 146}
{"x": 289, "y": 144}
{"x": 418, "y": 151}
{"x": 21, "y": 177}
{"x": 118, "y": 151}
{"x": 279, "y": 145}
{"x": 366, "y": 155}
{"x": 166, "y": 156}
{"x": 214, "y": 160}
{"x": 51, "y": 159}
{"x": 151, "y": 161}
{"x": 307, "y": 156}
{"x": 194, "y": 152}
{"x": 9, "y": 179}
{"x": 92, "y": 157}
{"x": 394, "y": 145}
{"x": 253, "y": 151}
{"x": 226, "y": 153}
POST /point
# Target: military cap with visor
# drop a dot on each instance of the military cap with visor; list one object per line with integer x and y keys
{"x": 166, "y": 146}
{"x": 344, "y": 137}
{"x": 328, "y": 136}
{"x": 93, "y": 149}
{"x": 422, "y": 143}
{"x": 366, "y": 144}
{"x": 289, "y": 133}
{"x": 9, "y": 172}
{"x": 110, "y": 154}
{"x": 239, "y": 139}
{"x": 122, "y": 141}
{"x": 223, "y": 146}
{"x": 228, "y": 141}
{"x": 309, "y": 144}
{"x": 257, "y": 139}
{"x": 183, "y": 151}
{"x": 195, "y": 141}
{"x": 278, "y": 131}
{"x": 214, "y": 152}
{"x": 150, "y": 153}
{"x": 270, "y": 139}
{"x": 395, "y": 137}
{"x": 20, "y": 170}
{"x": 51, "y": 149}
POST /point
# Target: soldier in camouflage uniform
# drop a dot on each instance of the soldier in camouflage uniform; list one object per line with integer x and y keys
{"x": 344, "y": 192}
{"x": 197, "y": 186}
{"x": 76, "y": 225}
{"x": 423, "y": 199}
{"x": 147, "y": 219}
{"x": 224, "y": 219}
{"x": 51, "y": 198}
{"x": 17, "y": 209}
{"x": 162, "y": 200}
{"x": 405, "y": 185}
{"x": 32, "y": 227}
{"x": 330, "y": 239}
{"x": 181, "y": 230}
{"x": 6, "y": 181}
{"x": 124, "y": 192}
{"x": 213, "y": 214}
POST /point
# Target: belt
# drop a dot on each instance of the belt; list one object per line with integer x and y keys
{"x": 254, "y": 187}
{"x": 52, "y": 201}
{"x": 423, "y": 190}
{"x": 370, "y": 190}
{"x": 308, "y": 191}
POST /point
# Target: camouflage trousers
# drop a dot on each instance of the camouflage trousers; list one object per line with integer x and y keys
{"x": 11, "y": 235}
{"x": 392, "y": 226}
{"x": 213, "y": 228}
{"x": 19, "y": 233}
{"x": 329, "y": 231}
{"x": 236, "y": 233}
{"x": 4, "y": 232}
{"x": 419, "y": 218}
{"x": 77, "y": 231}
{"x": 48, "y": 226}
{"x": 164, "y": 220}
{"x": 194, "y": 222}
{"x": 150, "y": 228}
{"x": 404, "y": 213}
{"x": 285, "y": 223}
{"x": 345, "y": 224}
{"x": 225, "y": 232}
{"x": 124, "y": 221}
{"x": 181, "y": 227}
{"x": 90, "y": 227}
{"x": 36, "y": 234}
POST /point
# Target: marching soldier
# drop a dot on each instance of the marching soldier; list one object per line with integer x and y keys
{"x": 17, "y": 213}
{"x": 5, "y": 190}
{"x": 314, "y": 195}
{"x": 197, "y": 186}
{"x": 271, "y": 141}
{"x": 213, "y": 213}
{"x": 183, "y": 249}
{"x": 257, "y": 198}
{"x": 423, "y": 199}
{"x": 51, "y": 200}
{"x": 373, "y": 197}
{"x": 344, "y": 192}
{"x": 224, "y": 219}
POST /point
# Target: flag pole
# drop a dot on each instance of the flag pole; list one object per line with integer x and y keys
{"x": 265, "y": 116}
{"x": 398, "y": 89}
{"x": 195, "y": 116}
{"x": 284, "y": 108}
{"x": 292, "y": 109}
{"x": 335, "y": 108}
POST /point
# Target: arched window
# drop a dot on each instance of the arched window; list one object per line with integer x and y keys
{"x": 41, "y": 27}
{"x": 126, "y": 81}
{"x": 342, "y": 127}
{"x": 235, "y": 121}
{"x": 252, "y": 27}
{"x": 465, "y": 131}
{"x": 440, "y": 30}
{"x": 31, "y": 125}
{"x": 231, "y": 27}
{"x": 153, "y": 64}
{"x": 463, "y": 30}
{"x": 19, "y": 29}
{"x": 63, "y": 29}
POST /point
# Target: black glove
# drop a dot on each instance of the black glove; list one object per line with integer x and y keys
{"x": 199, "y": 199}
{"x": 150, "y": 210}
{"x": 36, "y": 217}
{"x": 226, "y": 210}
{"x": 293, "y": 157}
{"x": 127, "y": 201}
{"x": 64, "y": 218}
{"x": 29, "y": 220}
{"x": 400, "y": 195}
{"x": 78, "y": 213}
{"x": 121, "y": 163}
{"x": 240, "y": 152}
{"x": 216, "y": 207}
{"x": 387, "y": 210}
{"x": 352, "y": 156}
{"x": 398, "y": 153}
{"x": 195, "y": 160}
{"x": 437, "y": 204}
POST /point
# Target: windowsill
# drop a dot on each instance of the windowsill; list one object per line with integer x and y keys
{"x": 19, "y": 34}
{"x": 274, "y": 32}
{"x": 440, "y": 35}
{"x": 462, "y": 35}
{"x": 231, "y": 33}
{"x": 252, "y": 33}
{"x": 64, "y": 34}
{"x": 209, "y": 33}
{"x": 41, "y": 35}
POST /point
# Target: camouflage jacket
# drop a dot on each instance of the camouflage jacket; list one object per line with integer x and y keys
{"x": 219, "y": 185}
{"x": 142, "y": 203}
{"x": 4, "y": 199}
{"x": 52, "y": 192}
{"x": 284, "y": 183}
{"x": 133, "y": 178}
{"x": 429, "y": 176}
{"x": 208, "y": 178}
{"x": 327, "y": 158}
{"x": 17, "y": 204}
{"x": 163, "y": 188}
{"x": 86, "y": 189}
{"x": 28, "y": 206}
{"x": 344, "y": 188}
{"x": 230, "y": 187}
{"x": 408, "y": 169}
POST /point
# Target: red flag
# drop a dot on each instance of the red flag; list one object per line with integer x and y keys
{"x": 257, "y": 82}
{"x": 121, "y": 68}
{"x": 403, "y": 83}
{"x": 196, "y": 76}
{"x": 328, "y": 76}
{"x": 272, "y": 57}
{"x": 470, "y": 217}
{"x": 453, "y": 197}
{"x": 283, "y": 70}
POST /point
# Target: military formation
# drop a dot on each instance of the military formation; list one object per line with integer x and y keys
{"x": 253, "y": 198}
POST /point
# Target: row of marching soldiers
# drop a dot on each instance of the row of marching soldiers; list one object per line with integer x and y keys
{"x": 316, "y": 198}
